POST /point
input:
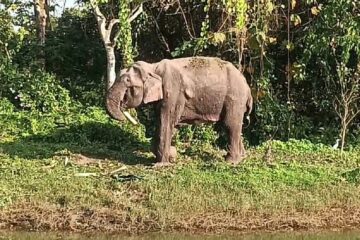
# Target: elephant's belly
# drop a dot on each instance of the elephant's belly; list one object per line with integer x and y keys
{"x": 201, "y": 113}
{"x": 208, "y": 102}
{"x": 194, "y": 118}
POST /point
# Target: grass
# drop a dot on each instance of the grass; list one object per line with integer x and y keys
{"x": 94, "y": 174}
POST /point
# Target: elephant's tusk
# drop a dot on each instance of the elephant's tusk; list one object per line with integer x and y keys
{"x": 129, "y": 117}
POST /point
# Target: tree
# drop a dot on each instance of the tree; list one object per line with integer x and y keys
{"x": 42, "y": 17}
{"x": 347, "y": 102}
{"x": 109, "y": 38}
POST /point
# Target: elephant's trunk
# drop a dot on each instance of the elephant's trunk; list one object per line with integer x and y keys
{"x": 113, "y": 109}
{"x": 114, "y": 98}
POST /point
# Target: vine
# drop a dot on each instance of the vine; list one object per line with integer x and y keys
{"x": 261, "y": 14}
{"x": 239, "y": 9}
{"x": 125, "y": 38}
{"x": 205, "y": 27}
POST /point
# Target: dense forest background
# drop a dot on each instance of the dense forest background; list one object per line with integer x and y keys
{"x": 301, "y": 58}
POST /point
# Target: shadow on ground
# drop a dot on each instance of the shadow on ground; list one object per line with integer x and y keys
{"x": 92, "y": 139}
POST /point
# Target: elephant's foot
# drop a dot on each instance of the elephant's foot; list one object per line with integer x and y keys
{"x": 234, "y": 160}
{"x": 162, "y": 164}
{"x": 163, "y": 161}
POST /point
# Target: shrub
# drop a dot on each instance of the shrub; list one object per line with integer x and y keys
{"x": 34, "y": 90}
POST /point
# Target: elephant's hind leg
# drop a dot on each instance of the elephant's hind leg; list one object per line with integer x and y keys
{"x": 233, "y": 122}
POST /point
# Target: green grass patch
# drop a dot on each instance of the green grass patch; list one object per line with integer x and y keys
{"x": 92, "y": 163}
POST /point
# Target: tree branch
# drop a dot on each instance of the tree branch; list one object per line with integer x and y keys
{"x": 112, "y": 23}
{"x": 98, "y": 13}
{"x": 161, "y": 36}
{"x": 105, "y": 32}
{"x": 116, "y": 37}
{"x": 337, "y": 107}
{"x": 137, "y": 12}
{"x": 185, "y": 20}
{"x": 101, "y": 20}
{"x": 354, "y": 116}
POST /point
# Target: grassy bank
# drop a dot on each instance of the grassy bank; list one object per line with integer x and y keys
{"x": 86, "y": 172}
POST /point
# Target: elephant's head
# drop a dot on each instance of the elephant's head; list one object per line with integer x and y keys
{"x": 133, "y": 86}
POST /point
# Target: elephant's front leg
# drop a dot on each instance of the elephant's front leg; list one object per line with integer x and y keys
{"x": 163, "y": 138}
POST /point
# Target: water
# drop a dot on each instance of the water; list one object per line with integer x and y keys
{"x": 283, "y": 236}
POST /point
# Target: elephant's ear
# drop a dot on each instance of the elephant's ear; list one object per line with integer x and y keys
{"x": 153, "y": 90}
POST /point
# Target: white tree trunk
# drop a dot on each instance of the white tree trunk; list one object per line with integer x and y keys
{"x": 105, "y": 32}
{"x": 111, "y": 61}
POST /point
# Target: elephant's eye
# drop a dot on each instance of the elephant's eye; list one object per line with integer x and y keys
{"x": 126, "y": 80}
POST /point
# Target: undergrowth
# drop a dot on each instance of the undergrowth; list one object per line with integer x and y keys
{"x": 93, "y": 169}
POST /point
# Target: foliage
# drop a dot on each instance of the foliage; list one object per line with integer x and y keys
{"x": 332, "y": 46}
{"x": 288, "y": 51}
{"x": 34, "y": 91}
{"x": 80, "y": 68}
{"x": 332, "y": 39}
{"x": 7, "y": 36}
{"x": 125, "y": 38}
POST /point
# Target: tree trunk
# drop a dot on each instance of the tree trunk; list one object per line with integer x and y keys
{"x": 343, "y": 136}
{"x": 111, "y": 61}
{"x": 41, "y": 8}
{"x": 109, "y": 41}
{"x": 42, "y": 18}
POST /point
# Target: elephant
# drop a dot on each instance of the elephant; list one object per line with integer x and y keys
{"x": 188, "y": 90}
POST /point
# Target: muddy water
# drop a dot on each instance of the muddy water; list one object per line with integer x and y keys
{"x": 284, "y": 236}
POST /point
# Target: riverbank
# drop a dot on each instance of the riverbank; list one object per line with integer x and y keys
{"x": 322, "y": 235}
{"x": 30, "y": 217}
{"x": 94, "y": 175}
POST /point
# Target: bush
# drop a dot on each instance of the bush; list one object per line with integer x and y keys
{"x": 296, "y": 146}
{"x": 34, "y": 90}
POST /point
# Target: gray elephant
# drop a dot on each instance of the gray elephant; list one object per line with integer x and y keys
{"x": 184, "y": 90}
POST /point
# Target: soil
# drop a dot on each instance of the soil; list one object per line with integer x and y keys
{"x": 53, "y": 218}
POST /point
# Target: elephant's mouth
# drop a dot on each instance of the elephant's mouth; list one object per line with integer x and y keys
{"x": 129, "y": 100}
{"x": 124, "y": 101}
{"x": 123, "y": 105}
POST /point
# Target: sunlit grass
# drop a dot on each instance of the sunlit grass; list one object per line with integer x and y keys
{"x": 96, "y": 164}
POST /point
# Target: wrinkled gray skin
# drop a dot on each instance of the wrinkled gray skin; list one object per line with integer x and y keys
{"x": 184, "y": 90}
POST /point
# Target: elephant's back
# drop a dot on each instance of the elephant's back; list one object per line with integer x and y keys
{"x": 198, "y": 64}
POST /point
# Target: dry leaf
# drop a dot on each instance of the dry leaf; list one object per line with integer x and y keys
{"x": 272, "y": 40}
{"x": 295, "y": 19}
{"x": 315, "y": 10}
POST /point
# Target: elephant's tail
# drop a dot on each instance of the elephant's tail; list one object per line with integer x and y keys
{"x": 249, "y": 106}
